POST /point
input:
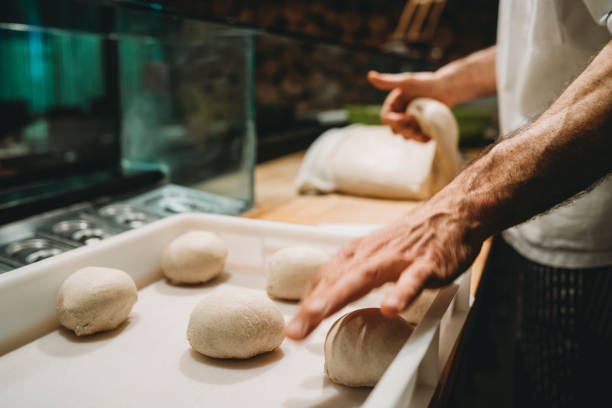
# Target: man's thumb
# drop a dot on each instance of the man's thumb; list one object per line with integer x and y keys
{"x": 387, "y": 82}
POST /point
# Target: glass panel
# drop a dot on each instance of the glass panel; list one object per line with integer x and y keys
{"x": 80, "y": 81}
{"x": 186, "y": 100}
{"x": 58, "y": 112}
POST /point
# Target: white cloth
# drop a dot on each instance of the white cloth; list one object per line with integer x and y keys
{"x": 372, "y": 161}
{"x": 542, "y": 46}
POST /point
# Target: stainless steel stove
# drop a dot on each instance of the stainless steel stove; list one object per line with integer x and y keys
{"x": 46, "y": 235}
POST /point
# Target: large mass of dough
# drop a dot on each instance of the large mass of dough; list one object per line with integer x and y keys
{"x": 290, "y": 270}
{"x": 95, "y": 299}
{"x": 194, "y": 257}
{"x": 371, "y": 161}
{"x": 360, "y": 346}
{"x": 235, "y": 323}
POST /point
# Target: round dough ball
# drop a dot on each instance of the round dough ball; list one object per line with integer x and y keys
{"x": 291, "y": 269}
{"x": 360, "y": 346}
{"x": 95, "y": 299}
{"x": 194, "y": 257}
{"x": 233, "y": 323}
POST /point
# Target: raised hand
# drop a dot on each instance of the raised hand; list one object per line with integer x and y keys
{"x": 404, "y": 88}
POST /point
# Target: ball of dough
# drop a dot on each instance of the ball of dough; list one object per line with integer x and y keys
{"x": 95, "y": 299}
{"x": 231, "y": 323}
{"x": 291, "y": 269}
{"x": 194, "y": 257}
{"x": 360, "y": 346}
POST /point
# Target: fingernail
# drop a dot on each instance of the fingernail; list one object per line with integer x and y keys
{"x": 392, "y": 302}
{"x": 295, "y": 328}
{"x": 317, "y": 306}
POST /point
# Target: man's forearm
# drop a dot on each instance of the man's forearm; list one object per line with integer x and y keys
{"x": 563, "y": 152}
{"x": 470, "y": 77}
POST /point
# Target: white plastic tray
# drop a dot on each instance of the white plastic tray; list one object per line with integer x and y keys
{"x": 148, "y": 361}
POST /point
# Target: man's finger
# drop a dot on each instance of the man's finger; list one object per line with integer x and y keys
{"x": 314, "y": 282}
{"x": 406, "y": 126}
{"x": 394, "y": 102}
{"x": 393, "y": 120}
{"x": 413, "y": 134}
{"x": 326, "y": 300}
{"x": 322, "y": 303}
{"x": 408, "y": 287}
{"x": 387, "y": 82}
{"x": 307, "y": 318}
{"x": 351, "y": 287}
{"x": 312, "y": 308}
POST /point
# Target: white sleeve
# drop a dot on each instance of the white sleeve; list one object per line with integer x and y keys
{"x": 601, "y": 10}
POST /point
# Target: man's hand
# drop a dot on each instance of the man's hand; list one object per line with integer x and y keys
{"x": 404, "y": 88}
{"x": 454, "y": 83}
{"x": 428, "y": 248}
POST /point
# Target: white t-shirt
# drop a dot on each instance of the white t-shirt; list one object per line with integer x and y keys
{"x": 542, "y": 46}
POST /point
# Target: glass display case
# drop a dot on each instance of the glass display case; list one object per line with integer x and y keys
{"x": 90, "y": 87}
{"x": 187, "y": 101}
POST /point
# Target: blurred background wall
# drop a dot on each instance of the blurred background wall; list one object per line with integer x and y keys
{"x": 304, "y": 73}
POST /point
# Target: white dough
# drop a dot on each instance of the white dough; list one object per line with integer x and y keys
{"x": 95, "y": 299}
{"x": 194, "y": 257}
{"x": 235, "y": 323}
{"x": 372, "y": 161}
{"x": 437, "y": 121}
{"x": 360, "y": 346}
{"x": 291, "y": 269}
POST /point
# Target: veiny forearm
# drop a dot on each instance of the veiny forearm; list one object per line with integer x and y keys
{"x": 470, "y": 77}
{"x": 563, "y": 152}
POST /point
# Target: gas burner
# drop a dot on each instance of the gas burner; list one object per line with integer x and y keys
{"x": 127, "y": 215}
{"x": 32, "y": 250}
{"x": 28, "y": 241}
{"x": 89, "y": 235}
{"x": 67, "y": 226}
{"x": 42, "y": 254}
{"x": 114, "y": 209}
{"x": 132, "y": 220}
{"x": 82, "y": 230}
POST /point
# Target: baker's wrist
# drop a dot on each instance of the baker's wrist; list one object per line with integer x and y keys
{"x": 468, "y": 213}
{"x": 471, "y": 207}
{"x": 446, "y": 86}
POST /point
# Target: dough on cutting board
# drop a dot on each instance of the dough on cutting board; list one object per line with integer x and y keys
{"x": 194, "y": 257}
{"x": 95, "y": 299}
{"x": 371, "y": 161}
{"x": 291, "y": 269}
{"x": 235, "y": 323}
{"x": 377, "y": 163}
{"x": 360, "y": 346}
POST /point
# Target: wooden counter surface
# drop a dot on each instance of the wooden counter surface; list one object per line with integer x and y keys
{"x": 276, "y": 200}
